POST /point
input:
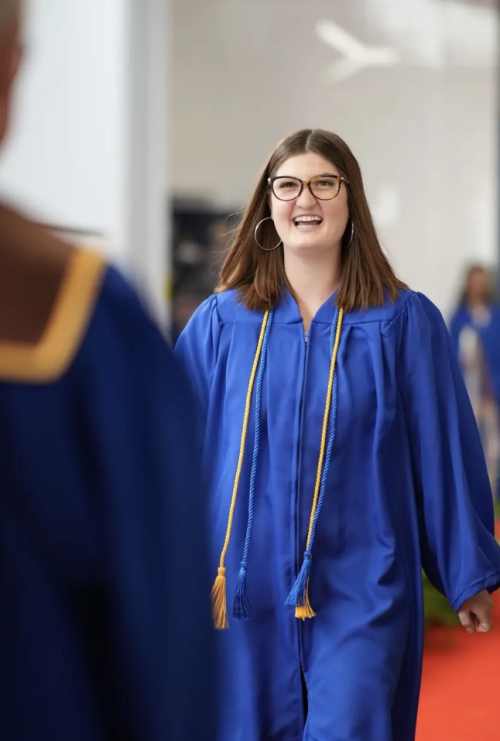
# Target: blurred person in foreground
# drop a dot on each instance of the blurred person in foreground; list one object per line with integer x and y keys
{"x": 343, "y": 457}
{"x": 475, "y": 333}
{"x": 105, "y": 630}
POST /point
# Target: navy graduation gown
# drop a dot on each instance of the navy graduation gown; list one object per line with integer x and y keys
{"x": 105, "y": 625}
{"x": 407, "y": 487}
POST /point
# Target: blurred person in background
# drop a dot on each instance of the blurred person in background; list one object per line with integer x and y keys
{"x": 475, "y": 333}
{"x": 343, "y": 456}
{"x": 105, "y": 617}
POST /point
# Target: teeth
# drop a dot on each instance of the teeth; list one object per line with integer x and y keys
{"x": 316, "y": 219}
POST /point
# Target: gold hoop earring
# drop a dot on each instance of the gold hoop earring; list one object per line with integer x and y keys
{"x": 266, "y": 249}
{"x": 352, "y": 234}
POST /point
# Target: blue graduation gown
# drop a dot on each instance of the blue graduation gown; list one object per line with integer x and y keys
{"x": 407, "y": 487}
{"x": 104, "y": 621}
{"x": 489, "y": 335}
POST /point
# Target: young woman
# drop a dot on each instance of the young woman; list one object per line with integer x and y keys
{"x": 343, "y": 456}
{"x": 475, "y": 334}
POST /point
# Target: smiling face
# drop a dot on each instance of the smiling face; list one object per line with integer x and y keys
{"x": 308, "y": 223}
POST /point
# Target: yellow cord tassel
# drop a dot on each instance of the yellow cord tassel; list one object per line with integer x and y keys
{"x": 302, "y": 612}
{"x": 219, "y": 599}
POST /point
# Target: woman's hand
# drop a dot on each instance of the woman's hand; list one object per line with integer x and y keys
{"x": 475, "y": 613}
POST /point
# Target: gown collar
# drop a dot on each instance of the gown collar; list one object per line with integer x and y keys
{"x": 287, "y": 310}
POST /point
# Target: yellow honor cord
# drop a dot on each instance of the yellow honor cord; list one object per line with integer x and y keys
{"x": 219, "y": 598}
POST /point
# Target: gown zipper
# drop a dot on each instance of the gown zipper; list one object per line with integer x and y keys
{"x": 298, "y": 545}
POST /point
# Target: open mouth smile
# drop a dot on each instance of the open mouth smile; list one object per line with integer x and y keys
{"x": 307, "y": 223}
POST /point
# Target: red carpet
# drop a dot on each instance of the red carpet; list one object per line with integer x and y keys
{"x": 460, "y": 699}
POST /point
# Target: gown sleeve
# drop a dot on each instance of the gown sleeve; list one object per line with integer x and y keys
{"x": 197, "y": 349}
{"x": 459, "y": 552}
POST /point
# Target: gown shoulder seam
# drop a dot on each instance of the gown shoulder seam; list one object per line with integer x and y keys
{"x": 390, "y": 323}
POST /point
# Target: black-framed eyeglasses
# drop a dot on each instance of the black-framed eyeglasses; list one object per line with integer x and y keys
{"x": 323, "y": 187}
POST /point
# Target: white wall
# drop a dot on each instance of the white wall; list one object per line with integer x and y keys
{"x": 88, "y": 143}
{"x": 249, "y": 72}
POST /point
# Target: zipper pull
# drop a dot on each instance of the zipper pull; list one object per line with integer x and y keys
{"x": 306, "y": 337}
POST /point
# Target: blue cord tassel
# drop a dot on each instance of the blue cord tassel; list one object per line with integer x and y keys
{"x": 241, "y": 604}
{"x": 297, "y": 595}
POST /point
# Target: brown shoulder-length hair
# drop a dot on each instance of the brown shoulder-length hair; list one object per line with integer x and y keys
{"x": 367, "y": 276}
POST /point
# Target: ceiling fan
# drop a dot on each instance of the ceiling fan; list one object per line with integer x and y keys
{"x": 355, "y": 56}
